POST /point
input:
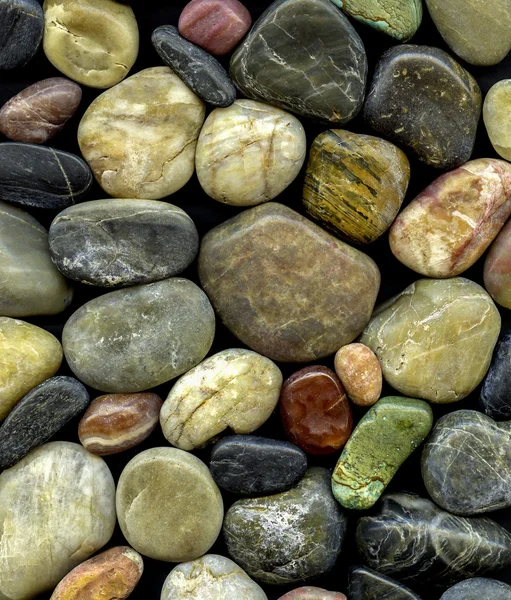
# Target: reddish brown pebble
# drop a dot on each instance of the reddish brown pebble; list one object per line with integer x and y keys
{"x": 315, "y": 411}
{"x": 312, "y": 593}
{"x": 215, "y": 25}
{"x": 360, "y": 373}
{"x": 116, "y": 422}
{"x": 497, "y": 268}
{"x": 40, "y": 111}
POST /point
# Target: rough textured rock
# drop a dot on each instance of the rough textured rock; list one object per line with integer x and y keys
{"x": 495, "y": 397}
{"x": 21, "y": 31}
{"x": 422, "y": 99}
{"x": 360, "y": 373}
{"x": 496, "y": 111}
{"x": 383, "y": 439}
{"x": 40, "y": 111}
{"x": 435, "y": 340}
{"x": 249, "y": 153}
{"x": 497, "y": 268}
{"x": 135, "y": 339}
{"x": 355, "y": 184}
{"x": 118, "y": 422}
{"x": 58, "y": 503}
{"x": 478, "y": 587}
{"x": 236, "y": 389}
{"x": 366, "y": 584}
{"x": 275, "y": 63}
{"x": 414, "y": 540}
{"x": 315, "y": 411}
{"x": 251, "y": 465}
{"x": 115, "y": 243}
{"x": 447, "y": 228}
{"x": 287, "y": 537}
{"x": 38, "y": 416}
{"x": 139, "y": 138}
{"x": 94, "y": 42}
{"x": 168, "y": 506}
{"x": 312, "y": 593}
{"x": 308, "y": 296}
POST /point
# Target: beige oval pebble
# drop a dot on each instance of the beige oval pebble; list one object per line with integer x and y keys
{"x": 359, "y": 370}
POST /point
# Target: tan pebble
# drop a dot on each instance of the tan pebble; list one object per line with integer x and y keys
{"x": 360, "y": 372}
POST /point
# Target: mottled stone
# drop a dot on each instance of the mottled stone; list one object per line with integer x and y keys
{"x": 236, "y": 389}
{"x": 315, "y": 411}
{"x": 303, "y": 56}
{"x": 383, "y": 439}
{"x": 285, "y": 287}
{"x": 57, "y": 504}
{"x": 497, "y": 268}
{"x": 435, "y": 340}
{"x": 94, "y": 42}
{"x": 414, "y": 540}
{"x": 115, "y": 243}
{"x": 360, "y": 373}
{"x": 40, "y": 111}
{"x": 424, "y": 100}
{"x": 355, "y": 184}
{"x": 287, "y": 537}
{"x": 21, "y": 31}
{"x": 495, "y": 398}
{"x": 168, "y": 506}
{"x": 312, "y": 593}
{"x": 251, "y": 465}
{"x": 366, "y": 584}
{"x": 134, "y": 339}
{"x": 447, "y": 228}
{"x": 496, "y": 113}
{"x": 118, "y": 422}
{"x": 477, "y": 588}
{"x": 38, "y": 416}
{"x": 111, "y": 575}
{"x": 249, "y": 153}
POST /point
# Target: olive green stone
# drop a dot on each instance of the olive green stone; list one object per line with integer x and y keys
{"x": 384, "y": 438}
{"x": 497, "y": 117}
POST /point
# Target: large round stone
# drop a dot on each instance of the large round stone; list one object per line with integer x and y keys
{"x": 477, "y": 588}
{"x": 496, "y": 113}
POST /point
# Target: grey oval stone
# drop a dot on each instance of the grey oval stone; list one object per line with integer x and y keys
{"x": 495, "y": 396}
{"x": 478, "y": 588}
{"x": 21, "y": 31}
{"x": 366, "y": 584}
{"x": 115, "y": 243}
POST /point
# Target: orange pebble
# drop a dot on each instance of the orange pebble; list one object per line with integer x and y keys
{"x": 359, "y": 370}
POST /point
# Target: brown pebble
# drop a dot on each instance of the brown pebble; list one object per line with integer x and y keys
{"x": 359, "y": 370}
{"x": 312, "y": 593}
{"x": 117, "y": 422}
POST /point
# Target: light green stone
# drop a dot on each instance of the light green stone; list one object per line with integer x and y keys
{"x": 497, "y": 117}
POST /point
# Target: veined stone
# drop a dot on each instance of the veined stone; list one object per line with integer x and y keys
{"x": 496, "y": 115}
{"x": 366, "y": 584}
{"x": 497, "y": 268}
{"x": 21, "y": 31}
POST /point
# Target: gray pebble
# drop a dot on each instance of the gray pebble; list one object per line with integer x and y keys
{"x": 478, "y": 588}
{"x": 21, "y": 31}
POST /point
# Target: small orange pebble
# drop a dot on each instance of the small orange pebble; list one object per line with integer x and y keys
{"x": 359, "y": 370}
{"x": 312, "y": 593}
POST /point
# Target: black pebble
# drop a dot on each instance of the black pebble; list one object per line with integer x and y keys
{"x": 21, "y": 31}
{"x": 366, "y": 584}
{"x": 495, "y": 396}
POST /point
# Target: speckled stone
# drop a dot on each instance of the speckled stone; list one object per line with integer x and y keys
{"x": 412, "y": 539}
{"x": 477, "y": 588}
{"x": 168, "y": 506}
{"x": 116, "y": 243}
{"x": 435, "y": 340}
{"x": 383, "y": 439}
{"x": 366, "y": 584}
{"x": 318, "y": 292}
{"x": 59, "y": 502}
{"x": 303, "y": 56}
{"x": 497, "y": 268}
{"x": 422, "y": 99}
{"x": 360, "y": 373}
{"x": 287, "y": 537}
{"x": 312, "y": 593}
{"x": 496, "y": 113}
{"x": 495, "y": 398}
{"x": 21, "y": 31}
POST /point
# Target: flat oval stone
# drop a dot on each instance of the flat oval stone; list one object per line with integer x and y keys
{"x": 435, "y": 340}
{"x": 287, "y": 537}
{"x": 383, "y": 439}
{"x": 422, "y": 99}
{"x": 249, "y": 153}
{"x": 495, "y": 397}
{"x": 135, "y": 339}
{"x": 360, "y": 373}
{"x": 366, "y": 584}
{"x": 39, "y": 416}
{"x": 312, "y": 593}
{"x": 355, "y": 184}
{"x": 42, "y": 290}
{"x": 202, "y": 73}
{"x": 139, "y": 138}
{"x": 111, "y": 575}
{"x": 497, "y": 268}
{"x": 477, "y": 588}
{"x": 250, "y": 465}
{"x": 318, "y": 292}
{"x": 94, "y": 42}
{"x": 414, "y": 540}
{"x": 168, "y": 506}
{"x": 40, "y": 111}
{"x": 275, "y": 63}
{"x": 496, "y": 111}
{"x": 21, "y": 31}
{"x": 447, "y": 228}
{"x": 118, "y": 422}
{"x": 116, "y": 243}
{"x": 59, "y": 502}
{"x": 236, "y": 389}
{"x": 315, "y": 411}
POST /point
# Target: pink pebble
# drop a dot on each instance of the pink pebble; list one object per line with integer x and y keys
{"x": 312, "y": 593}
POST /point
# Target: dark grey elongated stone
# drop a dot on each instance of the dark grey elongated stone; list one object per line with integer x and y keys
{"x": 21, "y": 31}
{"x": 42, "y": 177}
{"x": 303, "y": 56}
{"x": 412, "y": 539}
{"x": 201, "y": 72}
{"x": 495, "y": 398}
{"x": 38, "y": 416}
{"x": 115, "y": 243}
{"x": 366, "y": 584}
{"x": 478, "y": 588}
{"x": 251, "y": 465}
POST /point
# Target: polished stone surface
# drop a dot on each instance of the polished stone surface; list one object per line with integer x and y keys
{"x": 21, "y": 31}
{"x": 497, "y": 268}
{"x": 366, "y": 584}
{"x": 477, "y": 588}
{"x": 312, "y": 593}
{"x": 359, "y": 370}
{"x": 496, "y": 111}
{"x": 495, "y": 398}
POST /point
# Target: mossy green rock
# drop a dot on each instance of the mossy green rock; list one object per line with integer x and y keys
{"x": 384, "y": 438}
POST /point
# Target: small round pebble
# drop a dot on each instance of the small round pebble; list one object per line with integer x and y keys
{"x": 478, "y": 588}
{"x": 359, "y": 370}
{"x": 312, "y": 593}
{"x": 21, "y": 31}
{"x": 497, "y": 117}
